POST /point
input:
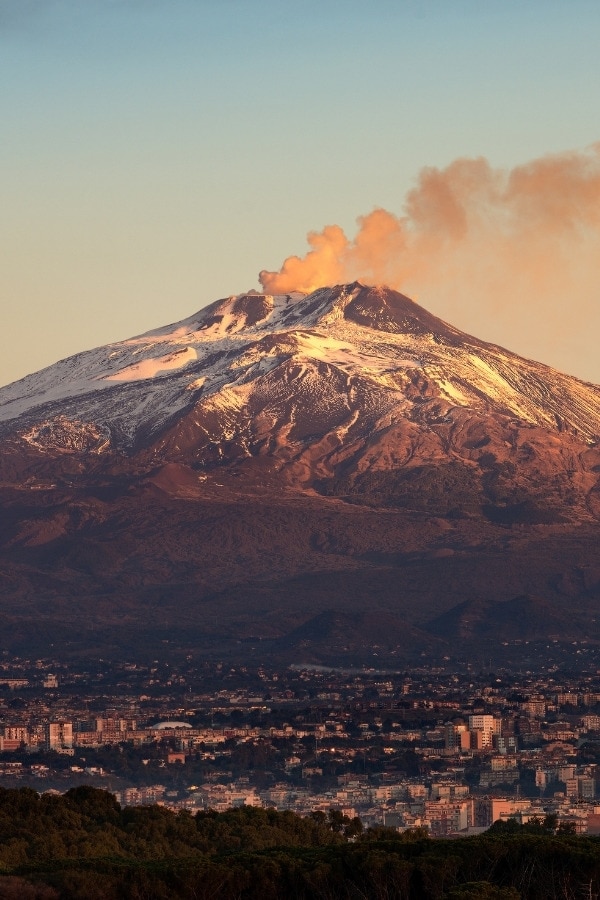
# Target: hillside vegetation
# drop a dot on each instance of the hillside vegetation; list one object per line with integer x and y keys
{"x": 84, "y": 846}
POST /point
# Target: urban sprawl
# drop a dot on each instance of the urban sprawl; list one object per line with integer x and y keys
{"x": 450, "y": 748}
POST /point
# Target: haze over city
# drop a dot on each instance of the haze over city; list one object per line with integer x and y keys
{"x": 159, "y": 155}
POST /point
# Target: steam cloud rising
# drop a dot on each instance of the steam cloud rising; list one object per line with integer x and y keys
{"x": 476, "y": 244}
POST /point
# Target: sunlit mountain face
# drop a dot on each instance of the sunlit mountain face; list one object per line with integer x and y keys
{"x": 325, "y": 476}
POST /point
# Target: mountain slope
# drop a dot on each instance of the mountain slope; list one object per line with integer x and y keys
{"x": 275, "y": 460}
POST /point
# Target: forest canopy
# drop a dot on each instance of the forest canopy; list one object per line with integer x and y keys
{"x": 83, "y": 846}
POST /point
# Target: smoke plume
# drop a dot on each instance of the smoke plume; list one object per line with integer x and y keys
{"x": 513, "y": 255}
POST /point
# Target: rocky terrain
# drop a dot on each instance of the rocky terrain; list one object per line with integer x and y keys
{"x": 332, "y": 477}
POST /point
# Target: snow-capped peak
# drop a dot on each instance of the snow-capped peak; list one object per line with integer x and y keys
{"x": 372, "y": 340}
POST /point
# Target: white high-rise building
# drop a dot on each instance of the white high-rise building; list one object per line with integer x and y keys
{"x": 484, "y": 723}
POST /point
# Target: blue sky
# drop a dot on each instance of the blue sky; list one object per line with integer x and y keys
{"x": 156, "y": 155}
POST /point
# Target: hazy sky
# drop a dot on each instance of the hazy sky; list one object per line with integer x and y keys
{"x": 156, "y": 154}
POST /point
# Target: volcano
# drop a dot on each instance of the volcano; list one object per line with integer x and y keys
{"x": 325, "y": 477}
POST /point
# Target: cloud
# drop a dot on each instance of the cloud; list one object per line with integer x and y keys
{"x": 478, "y": 244}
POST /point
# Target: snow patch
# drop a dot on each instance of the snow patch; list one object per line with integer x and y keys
{"x": 196, "y": 384}
{"x": 156, "y": 365}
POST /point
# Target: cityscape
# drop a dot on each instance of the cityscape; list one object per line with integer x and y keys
{"x": 447, "y": 749}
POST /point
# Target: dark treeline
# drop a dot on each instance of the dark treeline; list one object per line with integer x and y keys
{"x": 83, "y": 846}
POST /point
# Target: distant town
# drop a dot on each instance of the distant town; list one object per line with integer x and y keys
{"x": 448, "y": 748}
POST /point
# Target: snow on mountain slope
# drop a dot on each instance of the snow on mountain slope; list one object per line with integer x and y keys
{"x": 334, "y": 358}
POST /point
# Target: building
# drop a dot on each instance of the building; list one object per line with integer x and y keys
{"x": 59, "y": 735}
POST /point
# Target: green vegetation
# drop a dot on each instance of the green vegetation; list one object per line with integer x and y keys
{"x": 83, "y": 846}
